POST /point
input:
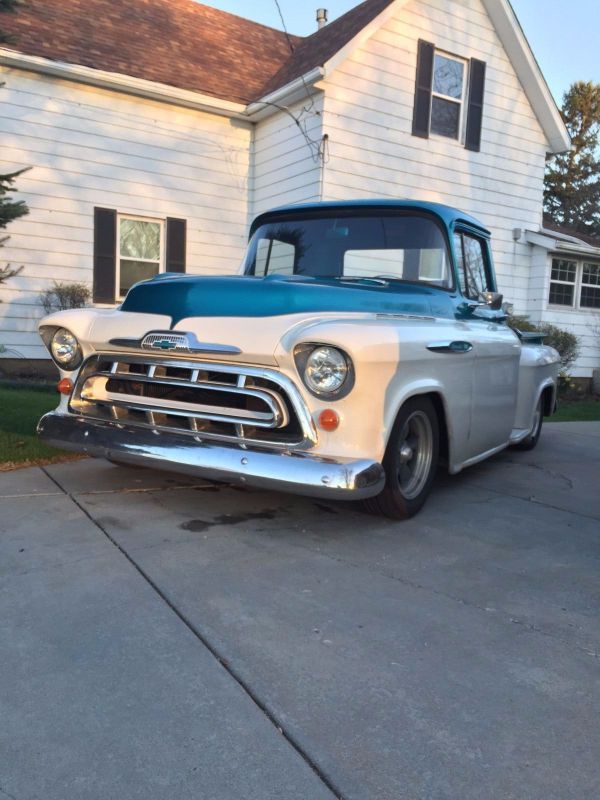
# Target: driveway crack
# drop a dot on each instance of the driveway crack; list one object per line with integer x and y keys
{"x": 327, "y": 781}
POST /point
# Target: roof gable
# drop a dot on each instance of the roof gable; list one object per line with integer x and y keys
{"x": 319, "y": 48}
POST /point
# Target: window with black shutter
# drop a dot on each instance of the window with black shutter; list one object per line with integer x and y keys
{"x": 129, "y": 248}
{"x": 449, "y": 93}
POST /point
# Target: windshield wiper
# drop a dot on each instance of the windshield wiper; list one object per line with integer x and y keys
{"x": 380, "y": 281}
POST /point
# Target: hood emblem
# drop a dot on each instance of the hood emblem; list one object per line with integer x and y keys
{"x": 170, "y": 342}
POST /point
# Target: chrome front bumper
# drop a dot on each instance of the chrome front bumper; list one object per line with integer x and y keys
{"x": 286, "y": 472}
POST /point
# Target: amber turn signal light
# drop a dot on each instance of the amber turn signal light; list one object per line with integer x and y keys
{"x": 329, "y": 420}
{"x": 65, "y": 386}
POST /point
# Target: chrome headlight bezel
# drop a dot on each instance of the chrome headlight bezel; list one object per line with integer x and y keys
{"x": 302, "y": 356}
{"x": 51, "y": 336}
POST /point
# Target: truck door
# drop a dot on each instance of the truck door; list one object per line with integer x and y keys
{"x": 497, "y": 351}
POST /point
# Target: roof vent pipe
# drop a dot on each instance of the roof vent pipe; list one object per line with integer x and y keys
{"x": 321, "y": 17}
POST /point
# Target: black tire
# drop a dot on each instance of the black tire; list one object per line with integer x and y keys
{"x": 410, "y": 461}
{"x": 530, "y": 441}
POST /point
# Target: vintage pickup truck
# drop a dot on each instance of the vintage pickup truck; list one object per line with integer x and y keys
{"x": 363, "y": 343}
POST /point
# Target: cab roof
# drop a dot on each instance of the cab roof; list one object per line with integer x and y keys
{"x": 448, "y": 215}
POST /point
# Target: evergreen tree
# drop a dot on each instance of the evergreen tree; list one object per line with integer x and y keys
{"x": 572, "y": 183}
{"x": 10, "y": 209}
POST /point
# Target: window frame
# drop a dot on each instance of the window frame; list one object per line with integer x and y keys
{"x": 462, "y": 103}
{"x": 162, "y": 260}
{"x": 485, "y": 247}
{"x": 590, "y": 309}
{"x": 574, "y": 283}
{"x": 577, "y": 285}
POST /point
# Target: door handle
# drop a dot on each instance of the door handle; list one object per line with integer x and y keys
{"x": 450, "y": 347}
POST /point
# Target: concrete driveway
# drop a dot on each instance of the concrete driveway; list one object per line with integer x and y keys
{"x": 171, "y": 639}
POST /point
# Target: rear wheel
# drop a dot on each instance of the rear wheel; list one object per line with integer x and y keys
{"x": 530, "y": 441}
{"x": 410, "y": 461}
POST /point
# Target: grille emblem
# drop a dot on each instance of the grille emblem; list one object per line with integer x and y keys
{"x": 166, "y": 342}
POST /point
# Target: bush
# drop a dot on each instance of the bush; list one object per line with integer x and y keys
{"x": 566, "y": 343}
{"x": 65, "y": 295}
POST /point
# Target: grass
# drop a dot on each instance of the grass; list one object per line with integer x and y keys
{"x": 20, "y": 410}
{"x": 577, "y": 411}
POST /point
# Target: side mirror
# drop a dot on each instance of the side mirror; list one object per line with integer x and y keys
{"x": 492, "y": 300}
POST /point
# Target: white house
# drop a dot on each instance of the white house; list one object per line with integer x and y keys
{"x": 156, "y": 129}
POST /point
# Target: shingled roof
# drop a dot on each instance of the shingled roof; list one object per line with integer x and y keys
{"x": 179, "y": 43}
{"x": 589, "y": 237}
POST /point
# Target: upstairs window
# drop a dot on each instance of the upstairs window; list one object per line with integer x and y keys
{"x": 449, "y": 94}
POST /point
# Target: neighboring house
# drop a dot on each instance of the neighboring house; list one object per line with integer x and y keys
{"x": 156, "y": 129}
{"x": 564, "y": 286}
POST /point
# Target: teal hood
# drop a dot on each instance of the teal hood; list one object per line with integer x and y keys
{"x": 184, "y": 296}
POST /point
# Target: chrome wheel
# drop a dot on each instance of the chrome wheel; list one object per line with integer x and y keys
{"x": 415, "y": 454}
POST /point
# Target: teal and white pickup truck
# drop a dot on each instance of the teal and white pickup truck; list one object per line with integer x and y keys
{"x": 362, "y": 344}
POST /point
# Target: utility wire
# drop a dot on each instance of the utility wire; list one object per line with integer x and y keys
{"x": 285, "y": 30}
{"x": 318, "y": 148}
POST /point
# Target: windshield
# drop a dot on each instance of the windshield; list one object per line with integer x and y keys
{"x": 399, "y": 247}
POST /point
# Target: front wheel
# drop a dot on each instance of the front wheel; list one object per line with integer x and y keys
{"x": 410, "y": 461}
{"x": 530, "y": 441}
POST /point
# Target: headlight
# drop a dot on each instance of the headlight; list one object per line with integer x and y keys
{"x": 65, "y": 349}
{"x": 326, "y": 371}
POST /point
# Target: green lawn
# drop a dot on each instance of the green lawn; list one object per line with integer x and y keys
{"x": 20, "y": 410}
{"x": 577, "y": 411}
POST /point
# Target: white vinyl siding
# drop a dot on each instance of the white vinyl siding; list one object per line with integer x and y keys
{"x": 90, "y": 147}
{"x": 368, "y": 114}
{"x": 286, "y": 164}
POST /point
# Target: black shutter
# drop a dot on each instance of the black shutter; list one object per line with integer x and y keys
{"x": 475, "y": 107}
{"x": 176, "y": 240}
{"x": 422, "y": 108}
{"x": 105, "y": 255}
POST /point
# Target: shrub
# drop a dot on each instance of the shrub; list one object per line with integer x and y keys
{"x": 65, "y": 295}
{"x": 566, "y": 343}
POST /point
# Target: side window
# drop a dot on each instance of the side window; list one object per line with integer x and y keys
{"x": 274, "y": 256}
{"x": 473, "y": 269}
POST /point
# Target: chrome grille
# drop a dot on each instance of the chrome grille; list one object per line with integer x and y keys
{"x": 205, "y": 400}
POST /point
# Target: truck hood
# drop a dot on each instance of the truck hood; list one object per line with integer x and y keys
{"x": 185, "y": 297}
{"x": 262, "y": 318}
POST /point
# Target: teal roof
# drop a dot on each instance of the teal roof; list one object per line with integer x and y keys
{"x": 448, "y": 215}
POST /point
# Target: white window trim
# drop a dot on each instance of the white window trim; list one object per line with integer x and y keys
{"x": 462, "y": 119}
{"x": 162, "y": 249}
{"x": 591, "y": 309}
{"x": 577, "y": 284}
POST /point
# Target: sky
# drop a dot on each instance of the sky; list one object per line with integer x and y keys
{"x": 564, "y": 36}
